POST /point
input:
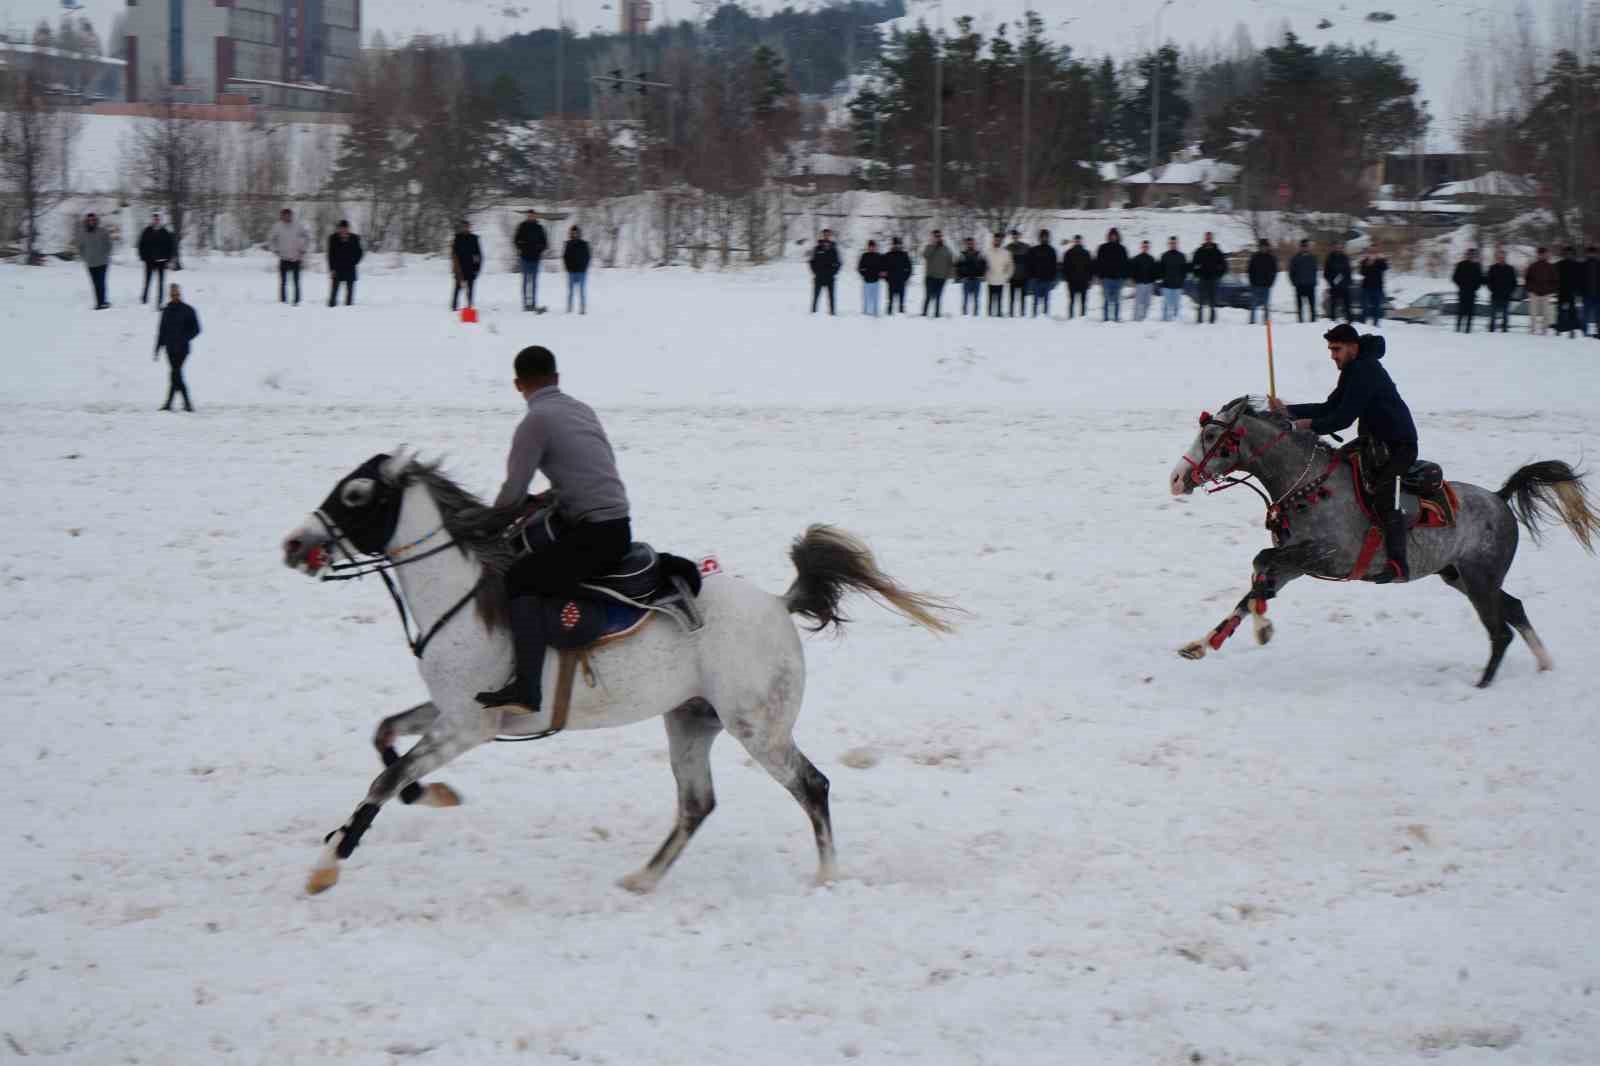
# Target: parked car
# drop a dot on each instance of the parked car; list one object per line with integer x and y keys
{"x": 1355, "y": 303}
{"x": 1426, "y": 309}
{"x": 1232, "y": 291}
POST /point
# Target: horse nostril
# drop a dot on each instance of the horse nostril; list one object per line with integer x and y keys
{"x": 292, "y": 546}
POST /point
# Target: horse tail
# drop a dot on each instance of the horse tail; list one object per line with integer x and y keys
{"x": 1552, "y": 489}
{"x": 829, "y": 562}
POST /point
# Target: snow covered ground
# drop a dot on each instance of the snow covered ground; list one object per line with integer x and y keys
{"x": 1059, "y": 842}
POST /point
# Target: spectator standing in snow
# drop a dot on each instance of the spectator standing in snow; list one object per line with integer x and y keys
{"x": 1039, "y": 263}
{"x": 970, "y": 269}
{"x": 1303, "y": 276}
{"x": 1174, "y": 270}
{"x": 1569, "y": 286}
{"x": 1111, "y": 265}
{"x": 289, "y": 241}
{"x": 1373, "y": 267}
{"x": 531, "y": 242}
{"x": 1336, "y": 272}
{"x": 344, "y": 253}
{"x": 938, "y": 263}
{"x": 575, "y": 257}
{"x": 1018, "y": 249}
{"x": 897, "y": 272}
{"x": 1502, "y": 282}
{"x": 1209, "y": 265}
{"x": 1591, "y": 291}
{"x": 870, "y": 267}
{"x": 178, "y": 328}
{"x": 1077, "y": 270}
{"x": 1143, "y": 271}
{"x": 156, "y": 249}
{"x": 466, "y": 260}
{"x": 1541, "y": 281}
{"x": 1000, "y": 270}
{"x": 1263, "y": 273}
{"x": 824, "y": 264}
{"x": 1469, "y": 279}
{"x": 94, "y": 248}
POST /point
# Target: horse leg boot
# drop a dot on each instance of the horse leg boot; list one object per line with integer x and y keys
{"x": 1264, "y": 584}
{"x": 521, "y": 695}
{"x": 410, "y": 722}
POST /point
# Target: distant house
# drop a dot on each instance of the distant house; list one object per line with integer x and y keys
{"x": 1181, "y": 183}
{"x": 1495, "y": 185}
{"x": 1411, "y": 173}
{"x": 824, "y": 173}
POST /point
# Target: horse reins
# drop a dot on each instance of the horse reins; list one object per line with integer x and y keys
{"x": 1231, "y": 440}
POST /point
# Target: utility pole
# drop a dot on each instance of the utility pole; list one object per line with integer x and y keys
{"x": 561, "y": 70}
{"x": 938, "y": 105}
{"x": 1155, "y": 95}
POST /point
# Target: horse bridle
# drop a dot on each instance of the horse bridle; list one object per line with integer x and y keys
{"x": 1228, "y": 443}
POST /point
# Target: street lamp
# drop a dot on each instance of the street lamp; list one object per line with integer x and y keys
{"x": 1155, "y": 92}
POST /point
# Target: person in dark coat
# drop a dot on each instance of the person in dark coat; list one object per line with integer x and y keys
{"x": 824, "y": 265}
{"x": 1019, "y": 273}
{"x": 1336, "y": 272}
{"x": 93, "y": 242}
{"x": 1077, "y": 270}
{"x": 1469, "y": 279}
{"x": 938, "y": 265}
{"x": 1263, "y": 273}
{"x": 1209, "y": 265}
{"x": 897, "y": 272}
{"x": 1174, "y": 271}
{"x": 575, "y": 257}
{"x": 1501, "y": 279}
{"x": 1303, "y": 276}
{"x": 1111, "y": 266}
{"x": 971, "y": 267}
{"x": 1541, "y": 281}
{"x": 871, "y": 268}
{"x": 1367, "y": 392}
{"x": 531, "y": 242}
{"x": 1373, "y": 267}
{"x": 1039, "y": 262}
{"x": 466, "y": 261}
{"x": 1569, "y": 286}
{"x": 178, "y": 328}
{"x": 1591, "y": 292}
{"x": 344, "y": 253}
{"x": 1142, "y": 271}
{"x": 156, "y": 249}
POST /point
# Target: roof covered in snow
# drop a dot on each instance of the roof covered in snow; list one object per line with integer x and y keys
{"x": 1494, "y": 183}
{"x": 1192, "y": 172}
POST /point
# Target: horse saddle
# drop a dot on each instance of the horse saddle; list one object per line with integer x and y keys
{"x": 1426, "y": 498}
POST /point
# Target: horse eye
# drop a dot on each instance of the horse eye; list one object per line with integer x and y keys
{"x": 356, "y": 494}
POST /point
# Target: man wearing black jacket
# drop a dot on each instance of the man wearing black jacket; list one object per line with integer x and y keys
{"x": 575, "y": 257}
{"x": 531, "y": 243}
{"x": 824, "y": 268}
{"x": 344, "y": 252}
{"x": 1040, "y": 264}
{"x": 1303, "y": 276}
{"x": 1569, "y": 286}
{"x": 1336, "y": 272}
{"x": 1263, "y": 272}
{"x": 179, "y": 327}
{"x": 1209, "y": 265}
{"x": 1077, "y": 270}
{"x": 1142, "y": 272}
{"x": 1111, "y": 265}
{"x": 870, "y": 267}
{"x": 1502, "y": 282}
{"x": 1591, "y": 291}
{"x": 156, "y": 248}
{"x": 1469, "y": 279}
{"x": 466, "y": 260}
{"x": 1019, "y": 273}
{"x": 1174, "y": 270}
{"x": 897, "y": 272}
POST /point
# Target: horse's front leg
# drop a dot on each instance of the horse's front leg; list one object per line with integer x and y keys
{"x": 1269, "y": 575}
{"x": 440, "y": 745}
{"x": 410, "y": 723}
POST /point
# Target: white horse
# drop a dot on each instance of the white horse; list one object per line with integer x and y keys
{"x": 743, "y": 671}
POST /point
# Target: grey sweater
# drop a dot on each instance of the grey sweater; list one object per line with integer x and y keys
{"x": 94, "y": 245}
{"x": 562, "y": 437}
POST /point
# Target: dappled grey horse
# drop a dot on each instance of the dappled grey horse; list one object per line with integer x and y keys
{"x": 1320, "y": 526}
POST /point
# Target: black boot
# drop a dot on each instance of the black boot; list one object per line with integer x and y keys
{"x": 522, "y": 693}
{"x": 1394, "y": 542}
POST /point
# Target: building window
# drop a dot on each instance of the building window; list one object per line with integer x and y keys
{"x": 175, "y": 41}
{"x": 255, "y": 26}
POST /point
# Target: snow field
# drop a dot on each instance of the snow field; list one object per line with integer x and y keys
{"x": 1058, "y": 841}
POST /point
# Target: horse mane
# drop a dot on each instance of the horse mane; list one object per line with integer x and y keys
{"x": 478, "y": 529}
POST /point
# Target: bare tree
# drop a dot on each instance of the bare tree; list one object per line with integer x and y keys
{"x": 173, "y": 160}
{"x": 36, "y": 140}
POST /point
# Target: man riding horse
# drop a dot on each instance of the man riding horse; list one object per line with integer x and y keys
{"x": 563, "y": 437}
{"x": 1389, "y": 436}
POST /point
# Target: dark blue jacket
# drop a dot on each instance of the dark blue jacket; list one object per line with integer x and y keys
{"x": 179, "y": 326}
{"x": 1366, "y": 392}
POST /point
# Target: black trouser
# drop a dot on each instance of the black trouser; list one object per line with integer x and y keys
{"x": 1205, "y": 296}
{"x": 1019, "y": 295}
{"x": 932, "y": 294}
{"x": 468, "y": 282}
{"x": 1339, "y": 295}
{"x": 158, "y": 270}
{"x": 818, "y": 286}
{"x": 582, "y": 551}
{"x": 97, "y": 278}
{"x": 897, "y": 292}
{"x": 175, "y": 383}
{"x": 997, "y": 300}
{"x": 287, "y": 269}
{"x": 1077, "y": 298}
{"x": 349, "y": 291}
{"x": 1500, "y": 310}
{"x": 1385, "y": 482}
{"x": 1568, "y": 305}
{"x": 1466, "y": 307}
{"x": 1308, "y": 295}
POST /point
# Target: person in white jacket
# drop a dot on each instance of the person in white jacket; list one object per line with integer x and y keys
{"x": 290, "y": 241}
{"x": 998, "y": 277}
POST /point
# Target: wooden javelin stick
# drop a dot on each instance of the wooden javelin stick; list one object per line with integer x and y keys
{"x": 1272, "y": 374}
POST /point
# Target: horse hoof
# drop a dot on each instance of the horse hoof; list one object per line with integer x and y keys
{"x": 322, "y": 879}
{"x": 639, "y": 883}
{"x": 1194, "y": 650}
{"x": 439, "y": 795}
{"x": 1263, "y": 632}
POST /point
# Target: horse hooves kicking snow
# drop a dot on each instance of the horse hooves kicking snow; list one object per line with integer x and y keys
{"x": 1193, "y": 650}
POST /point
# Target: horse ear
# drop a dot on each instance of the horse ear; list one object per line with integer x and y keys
{"x": 396, "y": 464}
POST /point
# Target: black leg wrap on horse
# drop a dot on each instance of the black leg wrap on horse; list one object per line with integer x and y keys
{"x": 412, "y": 792}
{"x": 358, "y": 826}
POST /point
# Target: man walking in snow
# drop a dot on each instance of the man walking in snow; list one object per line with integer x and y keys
{"x": 1209, "y": 266}
{"x": 1263, "y": 273}
{"x": 1174, "y": 270}
{"x": 938, "y": 263}
{"x": 344, "y": 253}
{"x": 178, "y": 329}
{"x": 531, "y": 243}
{"x": 1000, "y": 271}
{"x": 156, "y": 249}
{"x": 824, "y": 268}
{"x": 1469, "y": 279}
{"x": 1303, "y": 276}
{"x": 1502, "y": 282}
{"x": 466, "y": 260}
{"x": 1142, "y": 270}
{"x": 289, "y": 241}
{"x": 1336, "y": 272}
{"x": 94, "y": 248}
{"x": 897, "y": 271}
{"x": 1019, "y": 274}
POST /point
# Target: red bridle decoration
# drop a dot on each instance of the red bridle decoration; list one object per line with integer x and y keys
{"x": 1227, "y": 445}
